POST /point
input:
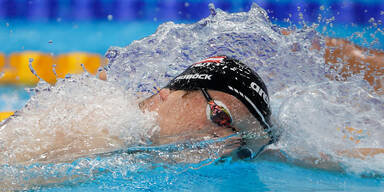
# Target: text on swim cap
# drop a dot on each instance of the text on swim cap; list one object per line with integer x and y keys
{"x": 260, "y": 91}
{"x": 195, "y": 76}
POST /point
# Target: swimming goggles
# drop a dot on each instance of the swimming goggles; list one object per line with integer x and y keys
{"x": 217, "y": 112}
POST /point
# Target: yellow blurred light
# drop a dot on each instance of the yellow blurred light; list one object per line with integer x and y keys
{"x": 71, "y": 63}
{"x": 5, "y": 115}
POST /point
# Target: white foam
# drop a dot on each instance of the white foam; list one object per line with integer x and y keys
{"x": 77, "y": 111}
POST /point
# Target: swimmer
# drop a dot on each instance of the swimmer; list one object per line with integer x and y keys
{"x": 215, "y": 98}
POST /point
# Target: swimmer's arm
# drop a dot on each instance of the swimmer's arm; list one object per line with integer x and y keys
{"x": 322, "y": 162}
{"x": 361, "y": 153}
{"x": 355, "y": 59}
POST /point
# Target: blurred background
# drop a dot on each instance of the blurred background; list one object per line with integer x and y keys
{"x": 51, "y": 38}
{"x": 58, "y": 26}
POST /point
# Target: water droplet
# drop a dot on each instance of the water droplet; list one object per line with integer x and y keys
{"x": 32, "y": 69}
{"x": 54, "y": 69}
{"x": 84, "y": 69}
{"x": 371, "y": 20}
{"x": 110, "y": 17}
{"x": 212, "y": 9}
{"x": 111, "y": 54}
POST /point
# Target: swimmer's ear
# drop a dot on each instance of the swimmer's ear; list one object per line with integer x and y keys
{"x": 164, "y": 94}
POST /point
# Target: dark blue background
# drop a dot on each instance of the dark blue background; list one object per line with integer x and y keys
{"x": 345, "y": 11}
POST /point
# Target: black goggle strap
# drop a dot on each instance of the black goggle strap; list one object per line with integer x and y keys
{"x": 206, "y": 95}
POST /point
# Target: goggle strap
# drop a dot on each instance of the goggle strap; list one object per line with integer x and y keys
{"x": 252, "y": 154}
{"x": 206, "y": 95}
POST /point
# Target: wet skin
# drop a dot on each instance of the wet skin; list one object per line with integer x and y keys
{"x": 182, "y": 117}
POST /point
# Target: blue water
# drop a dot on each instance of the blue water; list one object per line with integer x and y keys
{"x": 237, "y": 176}
{"x": 63, "y": 37}
{"x": 12, "y": 98}
{"x": 97, "y": 37}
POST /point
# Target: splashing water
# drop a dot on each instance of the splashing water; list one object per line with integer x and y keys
{"x": 312, "y": 111}
{"x": 247, "y": 36}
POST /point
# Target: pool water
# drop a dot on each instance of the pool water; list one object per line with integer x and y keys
{"x": 237, "y": 176}
{"x": 12, "y": 98}
{"x": 62, "y": 37}
{"x": 124, "y": 173}
{"x": 98, "y": 36}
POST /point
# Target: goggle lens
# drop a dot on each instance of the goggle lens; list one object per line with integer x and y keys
{"x": 219, "y": 114}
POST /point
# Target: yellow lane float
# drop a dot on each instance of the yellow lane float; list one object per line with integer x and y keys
{"x": 5, "y": 115}
{"x": 2, "y": 61}
{"x": 25, "y": 68}
{"x": 17, "y": 69}
{"x": 71, "y": 63}
{"x": 41, "y": 63}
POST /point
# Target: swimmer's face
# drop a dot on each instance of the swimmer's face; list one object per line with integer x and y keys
{"x": 182, "y": 116}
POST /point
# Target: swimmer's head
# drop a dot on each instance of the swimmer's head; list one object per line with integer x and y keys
{"x": 221, "y": 90}
{"x": 230, "y": 76}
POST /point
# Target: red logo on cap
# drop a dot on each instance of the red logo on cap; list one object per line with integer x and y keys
{"x": 217, "y": 59}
